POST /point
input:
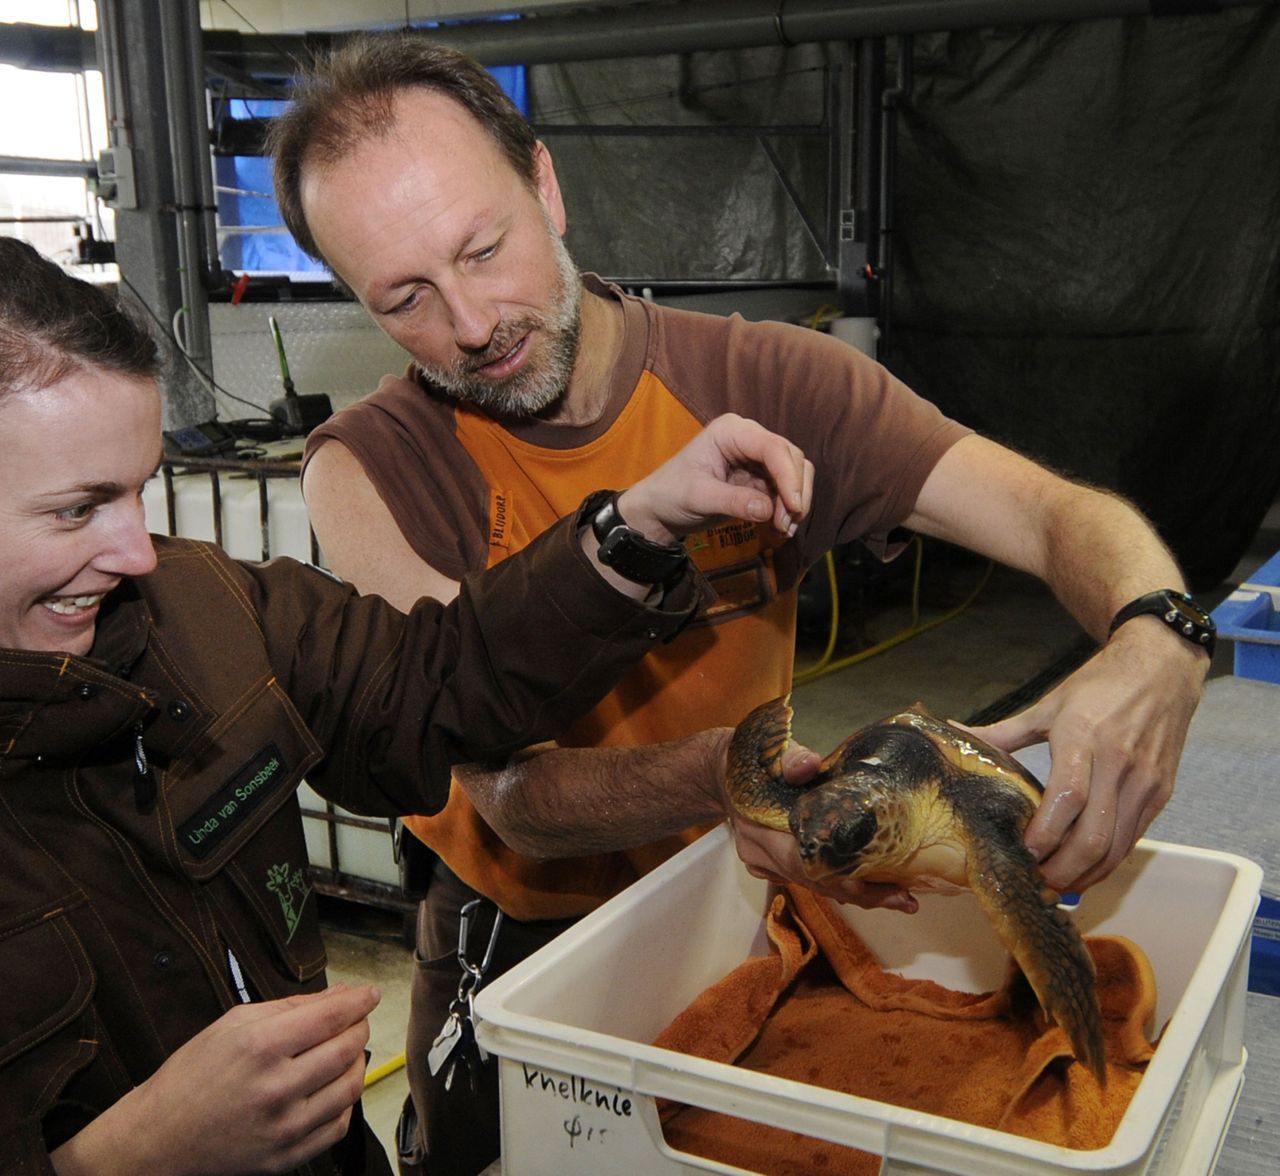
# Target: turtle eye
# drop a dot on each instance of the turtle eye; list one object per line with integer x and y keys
{"x": 851, "y": 835}
{"x": 832, "y": 827}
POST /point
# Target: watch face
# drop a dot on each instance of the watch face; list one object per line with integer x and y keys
{"x": 1189, "y": 610}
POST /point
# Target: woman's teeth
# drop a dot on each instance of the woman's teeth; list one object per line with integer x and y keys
{"x": 69, "y": 605}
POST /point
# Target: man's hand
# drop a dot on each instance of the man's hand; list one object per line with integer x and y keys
{"x": 1115, "y": 730}
{"x": 773, "y": 855}
{"x": 734, "y": 468}
{"x": 263, "y": 1089}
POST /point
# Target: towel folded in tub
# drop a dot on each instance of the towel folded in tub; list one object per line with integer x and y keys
{"x": 821, "y": 1010}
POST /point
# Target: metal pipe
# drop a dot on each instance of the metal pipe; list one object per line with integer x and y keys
{"x": 860, "y": 269}
{"x": 70, "y": 218}
{"x": 112, "y": 63}
{"x": 646, "y": 30}
{"x": 47, "y": 47}
{"x": 22, "y": 165}
{"x": 186, "y": 196}
{"x": 681, "y": 131}
{"x": 889, "y": 109}
{"x": 198, "y": 105}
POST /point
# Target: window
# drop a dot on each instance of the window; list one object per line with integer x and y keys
{"x": 63, "y": 120}
{"x": 251, "y": 234}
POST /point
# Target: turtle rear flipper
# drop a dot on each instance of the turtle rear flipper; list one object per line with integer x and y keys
{"x": 1043, "y": 940}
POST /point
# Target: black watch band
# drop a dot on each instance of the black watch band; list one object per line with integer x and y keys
{"x": 1182, "y": 614}
{"x": 626, "y": 550}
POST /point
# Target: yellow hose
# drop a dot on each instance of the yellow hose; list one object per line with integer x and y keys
{"x": 825, "y": 666}
{"x": 378, "y": 1073}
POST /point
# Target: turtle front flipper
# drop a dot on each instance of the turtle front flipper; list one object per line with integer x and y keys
{"x": 754, "y": 779}
{"x": 1042, "y": 939}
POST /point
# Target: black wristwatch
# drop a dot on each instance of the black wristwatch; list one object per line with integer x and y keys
{"x": 626, "y": 550}
{"x": 1182, "y": 614}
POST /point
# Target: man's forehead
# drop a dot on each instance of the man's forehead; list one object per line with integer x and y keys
{"x": 429, "y": 138}
{"x": 426, "y": 118}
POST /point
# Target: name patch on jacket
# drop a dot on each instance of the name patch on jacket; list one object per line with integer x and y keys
{"x": 227, "y": 808}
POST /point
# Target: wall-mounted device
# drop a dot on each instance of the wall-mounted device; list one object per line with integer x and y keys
{"x": 297, "y": 415}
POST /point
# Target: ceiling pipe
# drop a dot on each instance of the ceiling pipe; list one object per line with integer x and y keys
{"x": 648, "y": 29}
{"x": 47, "y": 47}
{"x": 639, "y": 30}
{"x": 23, "y": 165}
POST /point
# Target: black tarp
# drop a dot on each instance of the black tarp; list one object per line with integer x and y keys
{"x": 1087, "y": 234}
{"x": 703, "y": 184}
{"x": 1088, "y": 258}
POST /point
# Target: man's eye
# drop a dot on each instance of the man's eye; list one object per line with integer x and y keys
{"x": 77, "y": 513}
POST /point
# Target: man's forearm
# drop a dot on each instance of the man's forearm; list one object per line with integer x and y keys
{"x": 567, "y": 801}
{"x": 1094, "y": 549}
{"x": 1101, "y": 553}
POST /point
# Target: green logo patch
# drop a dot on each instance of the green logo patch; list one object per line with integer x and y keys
{"x": 289, "y": 884}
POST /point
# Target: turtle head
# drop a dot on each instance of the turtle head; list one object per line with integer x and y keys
{"x": 833, "y": 827}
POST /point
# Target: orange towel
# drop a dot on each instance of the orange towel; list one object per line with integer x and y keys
{"x": 822, "y": 1010}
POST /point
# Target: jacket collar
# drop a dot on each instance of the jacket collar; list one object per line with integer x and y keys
{"x": 56, "y": 706}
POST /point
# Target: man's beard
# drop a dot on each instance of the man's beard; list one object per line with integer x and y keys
{"x": 542, "y": 380}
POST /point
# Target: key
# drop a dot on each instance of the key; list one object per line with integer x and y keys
{"x": 445, "y": 1043}
{"x": 464, "y": 1057}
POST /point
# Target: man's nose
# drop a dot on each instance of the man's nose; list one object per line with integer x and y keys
{"x": 474, "y": 320}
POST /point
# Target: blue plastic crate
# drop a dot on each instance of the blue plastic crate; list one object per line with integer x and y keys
{"x": 1264, "y": 950}
{"x": 1250, "y": 617}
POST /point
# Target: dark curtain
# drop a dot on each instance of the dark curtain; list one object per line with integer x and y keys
{"x": 1087, "y": 233}
{"x": 1088, "y": 258}
{"x": 720, "y": 170}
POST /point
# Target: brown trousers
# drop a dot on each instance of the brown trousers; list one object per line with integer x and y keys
{"x": 454, "y": 1132}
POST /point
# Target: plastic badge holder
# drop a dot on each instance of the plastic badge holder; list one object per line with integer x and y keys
{"x": 571, "y": 1025}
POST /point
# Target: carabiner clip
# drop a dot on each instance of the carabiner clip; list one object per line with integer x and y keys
{"x": 464, "y": 935}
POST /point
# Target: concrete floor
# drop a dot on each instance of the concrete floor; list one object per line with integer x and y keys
{"x": 1005, "y": 639}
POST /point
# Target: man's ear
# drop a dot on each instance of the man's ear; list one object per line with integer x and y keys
{"x": 548, "y": 187}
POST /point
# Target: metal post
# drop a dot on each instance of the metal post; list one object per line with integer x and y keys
{"x": 193, "y": 334}
{"x": 148, "y": 250}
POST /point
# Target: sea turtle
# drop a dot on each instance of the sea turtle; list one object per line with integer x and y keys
{"x": 913, "y": 800}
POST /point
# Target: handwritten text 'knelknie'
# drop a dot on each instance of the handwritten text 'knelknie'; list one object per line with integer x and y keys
{"x": 577, "y": 1090}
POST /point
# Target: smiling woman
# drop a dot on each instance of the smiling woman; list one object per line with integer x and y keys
{"x": 80, "y": 420}
{"x": 159, "y": 705}
{"x": 76, "y": 457}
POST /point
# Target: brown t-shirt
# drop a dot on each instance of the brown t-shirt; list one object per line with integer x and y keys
{"x": 466, "y": 491}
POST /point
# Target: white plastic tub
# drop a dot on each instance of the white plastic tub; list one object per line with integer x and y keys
{"x": 571, "y": 1025}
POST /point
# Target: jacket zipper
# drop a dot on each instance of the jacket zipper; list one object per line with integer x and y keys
{"x": 144, "y": 782}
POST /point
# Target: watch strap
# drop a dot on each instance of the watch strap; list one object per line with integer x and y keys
{"x": 631, "y": 554}
{"x": 1176, "y": 609}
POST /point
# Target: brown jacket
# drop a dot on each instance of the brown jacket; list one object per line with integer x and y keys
{"x": 148, "y": 823}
